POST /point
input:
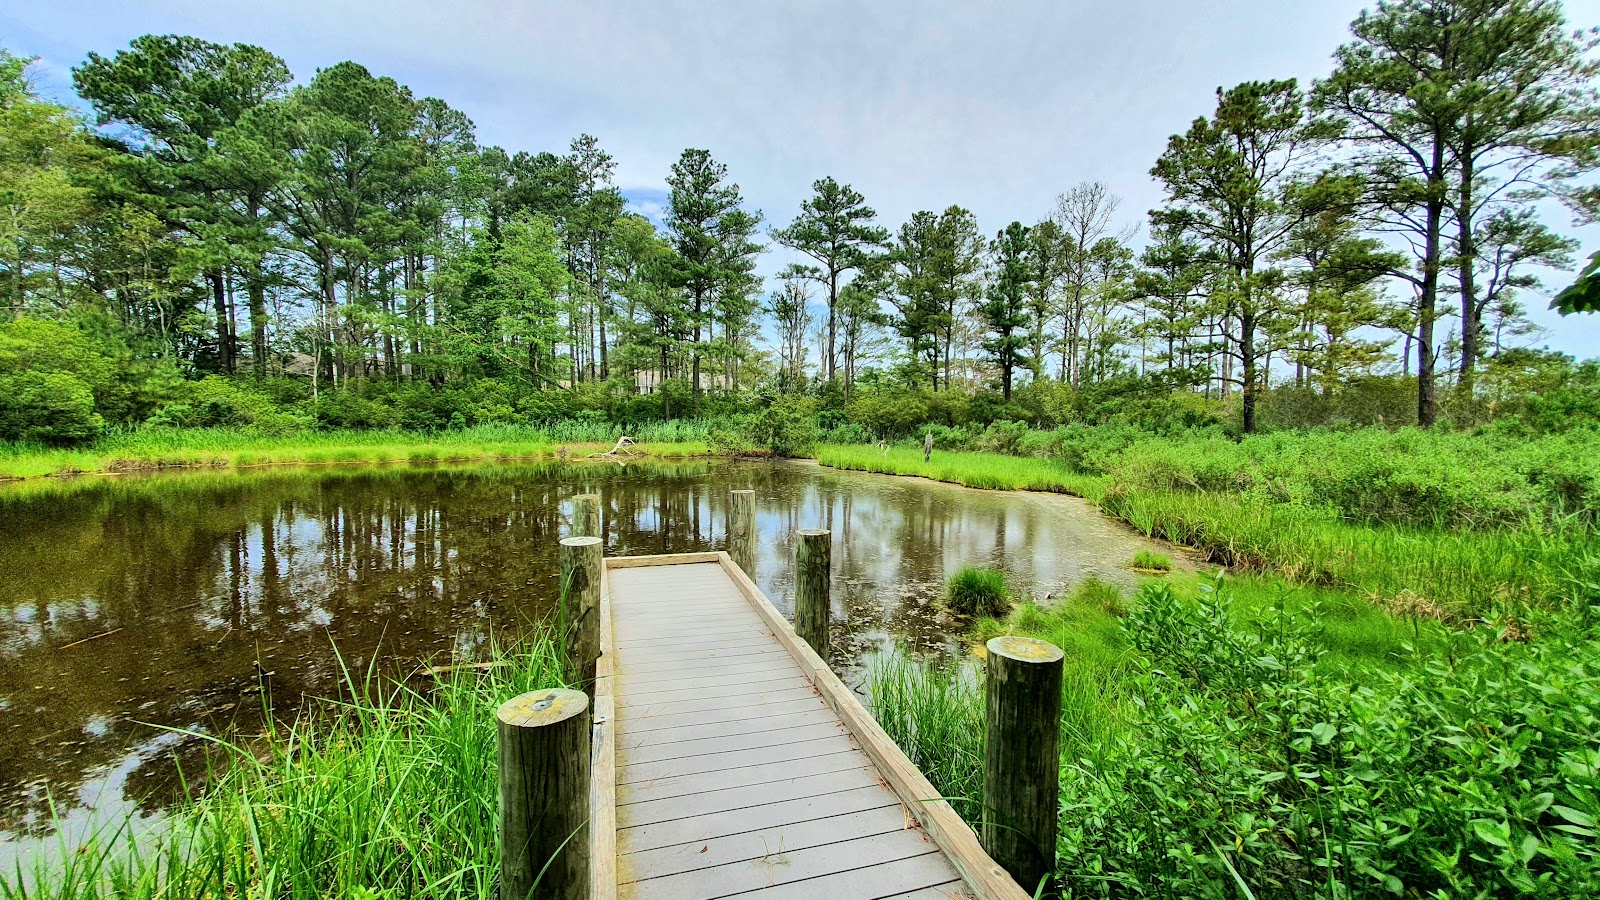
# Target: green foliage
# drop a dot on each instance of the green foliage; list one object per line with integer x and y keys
{"x": 47, "y": 408}
{"x": 1583, "y": 295}
{"x": 786, "y": 427}
{"x": 391, "y": 790}
{"x": 1151, "y": 561}
{"x": 978, "y": 591}
{"x": 1227, "y": 750}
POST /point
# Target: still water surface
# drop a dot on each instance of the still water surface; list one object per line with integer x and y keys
{"x": 131, "y": 607}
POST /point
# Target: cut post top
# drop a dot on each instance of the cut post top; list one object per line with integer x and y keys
{"x": 1024, "y": 649}
{"x": 536, "y": 709}
{"x": 584, "y": 541}
{"x": 813, "y": 532}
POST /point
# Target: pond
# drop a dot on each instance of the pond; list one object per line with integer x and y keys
{"x": 135, "y": 609}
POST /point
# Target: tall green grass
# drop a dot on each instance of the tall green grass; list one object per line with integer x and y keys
{"x": 978, "y": 591}
{"x": 389, "y": 791}
{"x": 1451, "y": 573}
{"x": 158, "y": 448}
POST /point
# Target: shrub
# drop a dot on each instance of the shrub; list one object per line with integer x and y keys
{"x": 47, "y": 408}
{"x": 978, "y": 591}
{"x": 787, "y": 427}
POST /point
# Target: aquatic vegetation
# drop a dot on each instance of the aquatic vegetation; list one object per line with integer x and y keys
{"x": 1151, "y": 561}
{"x": 386, "y": 791}
{"x": 978, "y": 591}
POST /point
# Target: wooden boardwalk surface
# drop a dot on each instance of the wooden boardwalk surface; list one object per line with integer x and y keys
{"x": 736, "y": 762}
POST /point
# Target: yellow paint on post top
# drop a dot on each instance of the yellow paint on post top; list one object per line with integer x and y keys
{"x": 1024, "y": 649}
{"x": 537, "y": 708}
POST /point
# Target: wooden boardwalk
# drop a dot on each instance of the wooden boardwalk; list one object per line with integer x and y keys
{"x": 730, "y": 760}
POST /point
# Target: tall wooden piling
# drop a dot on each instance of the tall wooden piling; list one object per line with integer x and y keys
{"x": 580, "y": 603}
{"x": 742, "y": 530}
{"x": 586, "y": 515}
{"x": 813, "y": 569}
{"x": 544, "y": 796}
{"x": 1021, "y": 762}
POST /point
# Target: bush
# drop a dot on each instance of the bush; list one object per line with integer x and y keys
{"x": 48, "y": 408}
{"x": 888, "y": 414}
{"x": 976, "y": 591}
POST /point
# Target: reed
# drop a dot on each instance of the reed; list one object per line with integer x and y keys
{"x": 174, "y": 448}
{"x": 386, "y": 791}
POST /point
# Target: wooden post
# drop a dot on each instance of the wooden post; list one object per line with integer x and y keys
{"x": 813, "y": 570}
{"x": 742, "y": 530}
{"x": 580, "y": 603}
{"x": 544, "y": 796}
{"x": 586, "y": 515}
{"x": 1021, "y": 757}
{"x": 927, "y": 447}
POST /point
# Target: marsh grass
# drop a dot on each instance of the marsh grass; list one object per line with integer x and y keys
{"x": 1150, "y": 561}
{"x": 169, "y": 448}
{"x": 1460, "y": 574}
{"x": 388, "y": 791}
{"x": 978, "y": 591}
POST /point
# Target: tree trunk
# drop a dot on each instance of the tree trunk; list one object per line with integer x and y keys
{"x": 1427, "y": 300}
{"x": 257, "y": 289}
{"x": 219, "y": 300}
{"x": 1471, "y": 325}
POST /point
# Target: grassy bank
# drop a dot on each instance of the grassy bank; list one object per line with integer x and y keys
{"x": 1448, "y": 572}
{"x": 165, "y": 448}
{"x": 388, "y": 792}
{"x": 1218, "y": 744}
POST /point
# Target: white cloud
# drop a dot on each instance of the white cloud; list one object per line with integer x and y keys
{"x": 998, "y": 107}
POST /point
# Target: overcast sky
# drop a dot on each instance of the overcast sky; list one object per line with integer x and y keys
{"x": 917, "y": 103}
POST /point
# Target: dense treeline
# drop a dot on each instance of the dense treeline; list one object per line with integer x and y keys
{"x": 346, "y": 252}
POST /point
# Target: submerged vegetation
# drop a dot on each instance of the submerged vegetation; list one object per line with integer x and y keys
{"x": 387, "y": 791}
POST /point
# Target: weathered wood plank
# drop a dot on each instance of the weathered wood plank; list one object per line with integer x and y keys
{"x": 643, "y": 687}
{"x": 630, "y": 753}
{"x": 750, "y": 696}
{"x": 749, "y": 845}
{"x": 751, "y": 818}
{"x": 645, "y": 723}
{"x": 650, "y": 682}
{"x": 645, "y": 665}
{"x": 786, "y": 866}
{"x": 763, "y": 773}
{"x": 902, "y": 875}
{"x": 641, "y": 772}
{"x": 688, "y": 805}
{"x": 950, "y": 890}
{"x": 759, "y": 719}
{"x": 777, "y": 681}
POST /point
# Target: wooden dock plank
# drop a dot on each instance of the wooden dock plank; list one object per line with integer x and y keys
{"x": 638, "y": 773}
{"x": 735, "y": 770}
{"x": 647, "y": 812}
{"x": 761, "y": 773}
{"x": 783, "y": 866}
{"x": 874, "y": 881}
{"x": 751, "y": 845}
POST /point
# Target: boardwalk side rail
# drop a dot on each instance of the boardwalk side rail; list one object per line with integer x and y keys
{"x": 603, "y": 768}
{"x": 952, "y": 835}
